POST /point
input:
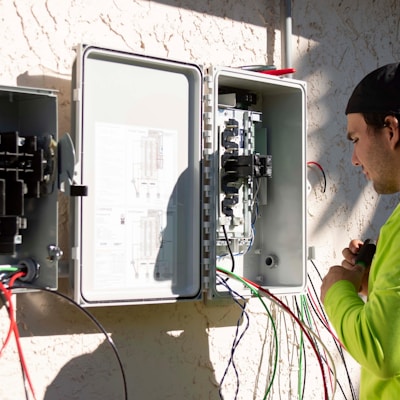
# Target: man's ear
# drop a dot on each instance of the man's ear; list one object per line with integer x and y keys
{"x": 393, "y": 126}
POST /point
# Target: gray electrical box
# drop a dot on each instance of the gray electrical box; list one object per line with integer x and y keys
{"x": 187, "y": 169}
{"x": 29, "y": 183}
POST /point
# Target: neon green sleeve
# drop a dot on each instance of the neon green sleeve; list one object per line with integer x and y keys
{"x": 371, "y": 331}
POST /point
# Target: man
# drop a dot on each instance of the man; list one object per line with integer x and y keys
{"x": 370, "y": 330}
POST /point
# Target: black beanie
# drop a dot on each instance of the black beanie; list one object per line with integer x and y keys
{"x": 378, "y": 92}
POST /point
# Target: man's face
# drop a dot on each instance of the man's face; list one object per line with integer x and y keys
{"x": 372, "y": 153}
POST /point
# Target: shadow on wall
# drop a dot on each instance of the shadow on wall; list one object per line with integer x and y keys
{"x": 349, "y": 200}
{"x": 164, "y": 348}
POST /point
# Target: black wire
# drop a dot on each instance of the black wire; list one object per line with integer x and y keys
{"x": 229, "y": 248}
{"x": 237, "y": 338}
{"x": 316, "y": 269}
{"x": 339, "y": 348}
{"x": 92, "y": 318}
{"x": 324, "y": 176}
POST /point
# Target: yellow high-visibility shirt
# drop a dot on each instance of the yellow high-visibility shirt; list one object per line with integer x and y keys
{"x": 370, "y": 331}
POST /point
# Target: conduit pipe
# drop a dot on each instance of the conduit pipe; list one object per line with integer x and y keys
{"x": 286, "y": 40}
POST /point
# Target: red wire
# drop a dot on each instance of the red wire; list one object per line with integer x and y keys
{"x": 14, "y": 278}
{"x": 315, "y": 163}
{"x": 326, "y": 323}
{"x": 13, "y": 324}
{"x": 12, "y": 321}
{"x": 326, "y": 358}
{"x": 11, "y": 328}
{"x": 289, "y": 311}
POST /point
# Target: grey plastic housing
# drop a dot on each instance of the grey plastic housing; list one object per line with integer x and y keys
{"x": 277, "y": 258}
{"x": 143, "y": 123}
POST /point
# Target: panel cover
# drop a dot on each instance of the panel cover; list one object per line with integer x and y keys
{"x": 138, "y": 122}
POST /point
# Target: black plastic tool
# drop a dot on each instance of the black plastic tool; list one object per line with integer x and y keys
{"x": 366, "y": 253}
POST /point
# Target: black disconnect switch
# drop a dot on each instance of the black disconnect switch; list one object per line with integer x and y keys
{"x": 366, "y": 253}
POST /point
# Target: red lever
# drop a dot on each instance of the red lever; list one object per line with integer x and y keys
{"x": 283, "y": 71}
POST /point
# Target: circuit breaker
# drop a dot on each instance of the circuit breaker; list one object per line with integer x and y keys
{"x": 29, "y": 183}
{"x": 187, "y": 169}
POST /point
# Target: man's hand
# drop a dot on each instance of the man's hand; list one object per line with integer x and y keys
{"x": 356, "y": 274}
{"x": 350, "y": 254}
{"x": 339, "y": 273}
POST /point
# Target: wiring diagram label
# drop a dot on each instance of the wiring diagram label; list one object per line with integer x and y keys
{"x": 133, "y": 200}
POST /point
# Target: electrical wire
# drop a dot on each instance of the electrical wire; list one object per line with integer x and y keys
{"x": 8, "y": 268}
{"x": 310, "y": 334}
{"x": 11, "y": 327}
{"x": 322, "y": 171}
{"x": 292, "y": 342}
{"x": 237, "y": 338}
{"x": 8, "y": 293}
{"x": 306, "y": 330}
{"x": 301, "y": 379}
{"x": 311, "y": 323}
{"x": 337, "y": 342}
{"x": 94, "y": 321}
{"x": 229, "y": 248}
{"x": 5, "y": 303}
{"x": 11, "y": 314}
{"x": 255, "y": 292}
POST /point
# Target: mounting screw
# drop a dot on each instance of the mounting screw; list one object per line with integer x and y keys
{"x": 55, "y": 253}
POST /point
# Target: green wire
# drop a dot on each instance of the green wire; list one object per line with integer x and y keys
{"x": 305, "y": 311}
{"x": 8, "y": 268}
{"x": 257, "y": 294}
{"x": 300, "y": 375}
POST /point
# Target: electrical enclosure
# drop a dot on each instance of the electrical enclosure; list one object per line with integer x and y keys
{"x": 187, "y": 169}
{"x": 29, "y": 183}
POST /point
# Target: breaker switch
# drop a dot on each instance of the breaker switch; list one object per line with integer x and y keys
{"x": 227, "y": 205}
{"x": 231, "y": 131}
{"x": 252, "y": 166}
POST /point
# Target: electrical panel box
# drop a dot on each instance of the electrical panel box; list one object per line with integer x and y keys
{"x": 29, "y": 183}
{"x": 187, "y": 170}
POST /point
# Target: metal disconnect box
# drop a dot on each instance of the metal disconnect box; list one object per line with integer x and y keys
{"x": 29, "y": 183}
{"x": 188, "y": 169}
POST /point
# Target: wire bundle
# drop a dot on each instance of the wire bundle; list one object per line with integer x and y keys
{"x": 307, "y": 312}
{"x": 10, "y": 274}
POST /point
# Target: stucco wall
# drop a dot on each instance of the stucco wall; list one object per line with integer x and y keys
{"x": 180, "y": 351}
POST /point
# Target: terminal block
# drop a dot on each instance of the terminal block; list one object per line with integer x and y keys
{"x": 243, "y": 167}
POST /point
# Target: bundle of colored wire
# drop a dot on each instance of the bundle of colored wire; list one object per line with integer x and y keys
{"x": 7, "y": 292}
{"x": 305, "y": 329}
{"x": 317, "y": 307}
{"x": 276, "y": 342}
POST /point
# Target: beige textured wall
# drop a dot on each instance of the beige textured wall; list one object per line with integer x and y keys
{"x": 180, "y": 351}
